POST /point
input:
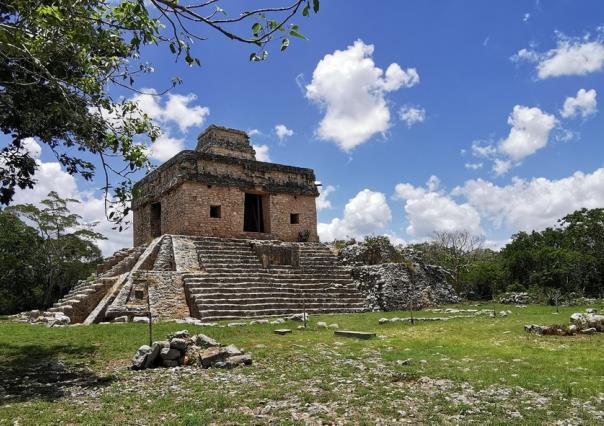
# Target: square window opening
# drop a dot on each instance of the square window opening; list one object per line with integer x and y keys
{"x": 294, "y": 218}
{"x": 215, "y": 212}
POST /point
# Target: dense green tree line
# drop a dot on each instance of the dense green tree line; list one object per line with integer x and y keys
{"x": 44, "y": 251}
{"x": 567, "y": 258}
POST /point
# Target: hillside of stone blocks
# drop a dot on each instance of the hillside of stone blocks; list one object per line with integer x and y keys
{"x": 208, "y": 278}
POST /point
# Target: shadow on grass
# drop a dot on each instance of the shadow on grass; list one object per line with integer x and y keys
{"x": 34, "y": 372}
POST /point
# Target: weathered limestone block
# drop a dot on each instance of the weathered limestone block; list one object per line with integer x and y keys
{"x": 140, "y": 358}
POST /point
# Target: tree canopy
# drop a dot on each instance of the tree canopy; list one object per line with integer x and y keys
{"x": 60, "y": 58}
{"x": 44, "y": 251}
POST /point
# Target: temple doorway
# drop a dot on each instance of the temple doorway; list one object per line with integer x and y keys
{"x": 253, "y": 215}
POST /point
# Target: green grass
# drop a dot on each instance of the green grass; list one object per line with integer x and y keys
{"x": 484, "y": 370}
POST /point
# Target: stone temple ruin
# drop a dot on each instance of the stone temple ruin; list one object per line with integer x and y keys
{"x": 218, "y": 235}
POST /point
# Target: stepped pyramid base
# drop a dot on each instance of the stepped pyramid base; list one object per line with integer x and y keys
{"x": 214, "y": 278}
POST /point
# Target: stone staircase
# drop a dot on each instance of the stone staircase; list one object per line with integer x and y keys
{"x": 82, "y": 298}
{"x": 121, "y": 261}
{"x": 85, "y": 295}
{"x": 235, "y": 284}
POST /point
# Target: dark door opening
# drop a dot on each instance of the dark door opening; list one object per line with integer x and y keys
{"x": 253, "y": 216}
{"x": 155, "y": 220}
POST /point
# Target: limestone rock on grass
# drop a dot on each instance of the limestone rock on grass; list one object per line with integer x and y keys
{"x": 211, "y": 356}
{"x": 140, "y": 357}
{"x": 204, "y": 341}
{"x": 199, "y": 350}
{"x": 178, "y": 344}
{"x": 235, "y": 361}
{"x": 170, "y": 354}
{"x": 152, "y": 356}
{"x": 233, "y": 350}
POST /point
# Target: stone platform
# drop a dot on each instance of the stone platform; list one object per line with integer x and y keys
{"x": 214, "y": 278}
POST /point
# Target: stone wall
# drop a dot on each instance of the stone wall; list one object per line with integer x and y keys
{"x": 186, "y": 211}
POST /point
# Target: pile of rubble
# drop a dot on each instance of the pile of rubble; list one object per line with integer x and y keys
{"x": 50, "y": 319}
{"x": 580, "y": 323}
{"x": 181, "y": 349}
{"x": 515, "y": 298}
{"x": 395, "y": 278}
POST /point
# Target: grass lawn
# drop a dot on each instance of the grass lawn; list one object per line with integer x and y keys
{"x": 468, "y": 370}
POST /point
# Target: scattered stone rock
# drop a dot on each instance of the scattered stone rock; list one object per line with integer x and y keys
{"x": 178, "y": 344}
{"x": 236, "y": 324}
{"x": 123, "y": 318}
{"x": 515, "y": 298}
{"x": 260, "y": 321}
{"x": 169, "y": 354}
{"x": 198, "y": 350}
{"x": 237, "y": 360}
{"x": 282, "y": 331}
{"x": 204, "y": 341}
{"x": 278, "y": 321}
{"x": 589, "y": 320}
{"x": 298, "y": 317}
{"x": 590, "y": 330}
{"x": 182, "y": 334}
{"x": 140, "y": 357}
{"x": 334, "y": 326}
{"x": 383, "y": 320}
{"x": 232, "y": 350}
{"x": 591, "y": 311}
{"x": 140, "y": 320}
{"x": 156, "y": 348}
{"x": 321, "y": 324}
{"x": 211, "y": 356}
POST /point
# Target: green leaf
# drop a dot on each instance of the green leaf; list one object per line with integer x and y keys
{"x": 284, "y": 44}
{"x": 306, "y": 10}
{"x": 297, "y": 34}
{"x": 315, "y": 5}
{"x": 256, "y": 28}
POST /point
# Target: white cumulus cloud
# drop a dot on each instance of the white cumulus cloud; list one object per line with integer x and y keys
{"x": 175, "y": 110}
{"x": 323, "y": 203}
{"x": 530, "y": 131}
{"x": 351, "y": 89}
{"x": 412, "y": 115}
{"x": 366, "y": 213}
{"x": 283, "y": 132}
{"x": 165, "y": 147}
{"x": 536, "y": 203}
{"x": 262, "y": 153}
{"x": 584, "y": 104}
{"x": 577, "y": 56}
{"x": 430, "y": 210}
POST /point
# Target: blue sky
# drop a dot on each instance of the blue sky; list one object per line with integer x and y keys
{"x": 495, "y": 75}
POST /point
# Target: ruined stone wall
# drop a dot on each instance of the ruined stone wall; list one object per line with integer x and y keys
{"x": 282, "y": 205}
{"x": 186, "y": 211}
{"x": 141, "y": 225}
